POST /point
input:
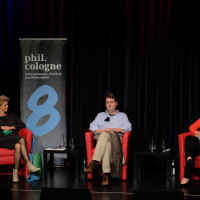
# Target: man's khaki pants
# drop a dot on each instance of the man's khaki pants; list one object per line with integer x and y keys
{"x": 103, "y": 150}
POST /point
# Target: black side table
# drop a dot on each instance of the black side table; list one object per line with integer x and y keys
{"x": 74, "y": 153}
{"x": 142, "y": 155}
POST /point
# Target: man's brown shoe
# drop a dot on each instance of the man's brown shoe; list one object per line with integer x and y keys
{"x": 105, "y": 181}
{"x": 89, "y": 168}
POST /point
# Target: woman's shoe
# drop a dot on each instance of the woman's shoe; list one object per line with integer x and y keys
{"x": 180, "y": 185}
{"x": 15, "y": 176}
{"x": 190, "y": 163}
{"x": 31, "y": 167}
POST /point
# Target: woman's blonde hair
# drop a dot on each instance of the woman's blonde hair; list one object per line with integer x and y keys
{"x": 3, "y": 98}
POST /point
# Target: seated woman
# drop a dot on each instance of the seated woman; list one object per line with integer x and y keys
{"x": 192, "y": 149}
{"x": 10, "y": 139}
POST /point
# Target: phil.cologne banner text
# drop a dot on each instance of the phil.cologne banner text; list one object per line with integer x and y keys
{"x": 43, "y": 89}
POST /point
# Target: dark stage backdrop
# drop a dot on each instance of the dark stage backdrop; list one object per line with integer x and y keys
{"x": 145, "y": 51}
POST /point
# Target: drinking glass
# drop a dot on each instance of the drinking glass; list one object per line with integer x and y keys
{"x": 163, "y": 146}
{"x": 72, "y": 144}
{"x": 152, "y": 147}
{"x": 62, "y": 145}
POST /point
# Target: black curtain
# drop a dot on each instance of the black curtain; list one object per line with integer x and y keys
{"x": 144, "y": 51}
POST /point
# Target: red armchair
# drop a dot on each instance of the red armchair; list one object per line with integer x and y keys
{"x": 90, "y": 147}
{"x": 181, "y": 140}
{"x": 7, "y": 156}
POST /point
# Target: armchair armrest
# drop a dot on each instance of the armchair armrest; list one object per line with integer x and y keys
{"x": 27, "y": 135}
{"x": 126, "y": 139}
{"x": 89, "y": 138}
{"x": 89, "y": 141}
{"x": 125, "y": 144}
{"x": 181, "y": 140}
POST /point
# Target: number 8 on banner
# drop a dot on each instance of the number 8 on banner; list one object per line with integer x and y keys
{"x": 39, "y": 111}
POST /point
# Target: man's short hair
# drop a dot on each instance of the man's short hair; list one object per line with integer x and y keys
{"x": 111, "y": 96}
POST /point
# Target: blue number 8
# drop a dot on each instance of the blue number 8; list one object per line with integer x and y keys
{"x": 42, "y": 110}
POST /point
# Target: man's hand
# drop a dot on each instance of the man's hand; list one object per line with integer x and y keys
{"x": 108, "y": 130}
{"x": 118, "y": 130}
{"x": 99, "y": 131}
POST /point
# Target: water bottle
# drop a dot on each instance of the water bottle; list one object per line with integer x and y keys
{"x": 152, "y": 145}
{"x": 173, "y": 168}
{"x": 163, "y": 146}
{"x": 84, "y": 164}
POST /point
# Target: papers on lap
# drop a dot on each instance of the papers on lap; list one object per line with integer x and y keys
{"x": 58, "y": 149}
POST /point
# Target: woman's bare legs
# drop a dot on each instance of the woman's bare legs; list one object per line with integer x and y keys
{"x": 23, "y": 149}
{"x": 17, "y": 156}
{"x": 20, "y": 149}
{"x": 31, "y": 167}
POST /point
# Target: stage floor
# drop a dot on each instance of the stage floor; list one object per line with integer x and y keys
{"x": 64, "y": 178}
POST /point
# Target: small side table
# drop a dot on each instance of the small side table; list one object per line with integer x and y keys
{"x": 139, "y": 155}
{"x": 74, "y": 153}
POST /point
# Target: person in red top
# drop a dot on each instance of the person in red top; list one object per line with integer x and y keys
{"x": 192, "y": 149}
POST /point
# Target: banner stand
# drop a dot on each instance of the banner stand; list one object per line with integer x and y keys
{"x": 43, "y": 89}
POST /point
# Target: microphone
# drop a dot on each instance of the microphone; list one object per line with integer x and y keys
{"x": 107, "y": 119}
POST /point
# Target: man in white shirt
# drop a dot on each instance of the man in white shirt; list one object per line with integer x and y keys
{"x": 110, "y": 121}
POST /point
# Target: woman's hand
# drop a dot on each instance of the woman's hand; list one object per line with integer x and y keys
{"x": 197, "y": 133}
{"x": 7, "y": 128}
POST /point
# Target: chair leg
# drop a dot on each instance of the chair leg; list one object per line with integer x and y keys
{"x": 124, "y": 172}
{"x": 89, "y": 176}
